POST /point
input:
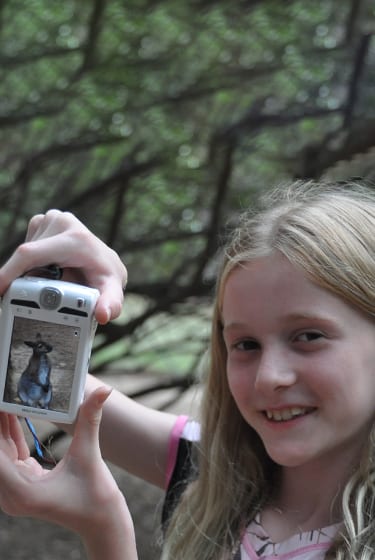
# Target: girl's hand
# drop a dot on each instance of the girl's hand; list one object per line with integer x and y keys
{"x": 60, "y": 238}
{"x": 79, "y": 493}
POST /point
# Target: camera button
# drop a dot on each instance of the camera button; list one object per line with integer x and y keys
{"x": 50, "y": 298}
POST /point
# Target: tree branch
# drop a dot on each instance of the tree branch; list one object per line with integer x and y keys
{"x": 91, "y": 44}
{"x": 355, "y": 79}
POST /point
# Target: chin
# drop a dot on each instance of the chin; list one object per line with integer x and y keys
{"x": 288, "y": 459}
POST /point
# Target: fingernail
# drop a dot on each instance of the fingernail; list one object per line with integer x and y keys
{"x": 103, "y": 396}
{"x": 108, "y": 313}
{"x": 105, "y": 315}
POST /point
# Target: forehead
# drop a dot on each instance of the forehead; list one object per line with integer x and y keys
{"x": 268, "y": 274}
{"x": 272, "y": 288}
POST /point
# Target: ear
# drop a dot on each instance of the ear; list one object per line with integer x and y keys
{"x": 29, "y": 343}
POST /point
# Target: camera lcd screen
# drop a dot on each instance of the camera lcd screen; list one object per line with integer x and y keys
{"x": 41, "y": 364}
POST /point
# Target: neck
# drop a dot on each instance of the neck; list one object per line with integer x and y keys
{"x": 318, "y": 485}
{"x": 308, "y": 498}
{"x": 311, "y": 496}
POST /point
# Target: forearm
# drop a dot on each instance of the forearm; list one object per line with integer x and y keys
{"x": 134, "y": 437}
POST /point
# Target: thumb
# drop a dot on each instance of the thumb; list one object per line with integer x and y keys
{"x": 110, "y": 302}
{"x": 85, "y": 442}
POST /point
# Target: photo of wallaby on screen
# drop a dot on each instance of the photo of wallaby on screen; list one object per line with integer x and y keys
{"x": 41, "y": 364}
{"x": 34, "y": 387}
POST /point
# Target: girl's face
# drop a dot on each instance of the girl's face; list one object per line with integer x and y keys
{"x": 301, "y": 363}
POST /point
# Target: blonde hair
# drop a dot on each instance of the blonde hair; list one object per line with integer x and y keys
{"x": 329, "y": 231}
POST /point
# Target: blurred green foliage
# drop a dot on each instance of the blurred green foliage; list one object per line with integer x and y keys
{"x": 155, "y": 121}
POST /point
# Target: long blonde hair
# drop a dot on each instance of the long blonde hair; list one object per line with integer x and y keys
{"x": 329, "y": 231}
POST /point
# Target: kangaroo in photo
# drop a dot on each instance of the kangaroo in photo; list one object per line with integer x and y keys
{"x": 34, "y": 387}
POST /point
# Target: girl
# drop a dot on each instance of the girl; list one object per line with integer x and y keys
{"x": 284, "y": 463}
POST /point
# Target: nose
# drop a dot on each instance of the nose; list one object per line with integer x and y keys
{"x": 274, "y": 371}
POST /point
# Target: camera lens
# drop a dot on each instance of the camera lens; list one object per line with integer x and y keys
{"x": 50, "y": 298}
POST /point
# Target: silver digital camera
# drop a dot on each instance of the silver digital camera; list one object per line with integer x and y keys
{"x": 47, "y": 329}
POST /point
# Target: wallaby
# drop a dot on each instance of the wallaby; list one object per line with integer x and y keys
{"x": 34, "y": 387}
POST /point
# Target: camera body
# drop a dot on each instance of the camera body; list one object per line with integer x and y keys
{"x": 47, "y": 329}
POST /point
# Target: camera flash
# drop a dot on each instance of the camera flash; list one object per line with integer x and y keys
{"x": 80, "y": 303}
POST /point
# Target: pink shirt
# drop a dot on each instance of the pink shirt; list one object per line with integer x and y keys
{"x": 311, "y": 545}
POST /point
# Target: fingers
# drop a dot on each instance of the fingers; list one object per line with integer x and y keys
{"x": 17, "y": 435}
{"x": 85, "y": 443}
{"x": 80, "y": 493}
{"x": 26, "y": 257}
{"x": 19, "y": 493}
{"x": 60, "y": 238}
{"x": 52, "y": 238}
{"x": 12, "y": 439}
{"x": 51, "y": 223}
{"x": 105, "y": 311}
{"x": 110, "y": 302}
{"x": 4, "y": 425}
{"x": 33, "y": 226}
{"x": 15, "y": 461}
{"x": 9, "y": 480}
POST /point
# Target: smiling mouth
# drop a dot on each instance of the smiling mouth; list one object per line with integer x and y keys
{"x": 287, "y": 413}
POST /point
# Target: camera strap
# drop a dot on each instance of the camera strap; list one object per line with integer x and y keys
{"x": 51, "y": 271}
{"x": 39, "y": 445}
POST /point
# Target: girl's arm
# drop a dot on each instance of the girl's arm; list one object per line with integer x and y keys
{"x": 79, "y": 493}
{"x": 133, "y": 436}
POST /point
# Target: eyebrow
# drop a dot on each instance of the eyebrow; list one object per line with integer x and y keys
{"x": 288, "y": 318}
{"x": 309, "y": 317}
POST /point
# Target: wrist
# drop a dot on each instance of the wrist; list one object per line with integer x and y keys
{"x": 111, "y": 535}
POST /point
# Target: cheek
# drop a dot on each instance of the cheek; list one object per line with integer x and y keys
{"x": 239, "y": 384}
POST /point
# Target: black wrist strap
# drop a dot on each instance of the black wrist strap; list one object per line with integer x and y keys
{"x": 51, "y": 271}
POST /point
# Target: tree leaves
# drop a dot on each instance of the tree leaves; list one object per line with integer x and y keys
{"x": 155, "y": 121}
